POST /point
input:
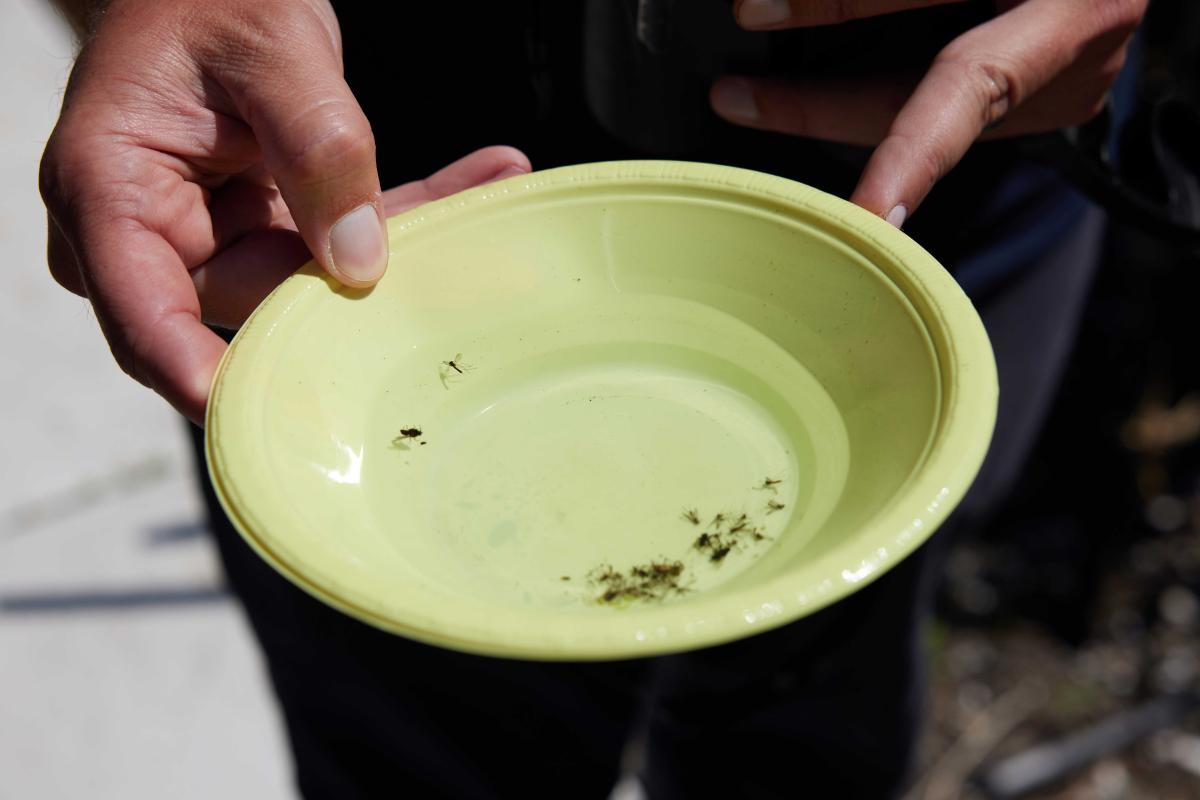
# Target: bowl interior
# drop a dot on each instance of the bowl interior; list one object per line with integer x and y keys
{"x": 602, "y": 417}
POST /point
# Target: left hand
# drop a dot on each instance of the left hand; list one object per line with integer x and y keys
{"x": 1039, "y": 65}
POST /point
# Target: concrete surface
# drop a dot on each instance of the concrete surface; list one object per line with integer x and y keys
{"x": 125, "y": 670}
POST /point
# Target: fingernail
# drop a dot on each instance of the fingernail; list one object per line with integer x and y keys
{"x": 733, "y": 97}
{"x": 897, "y": 216}
{"x": 508, "y": 172}
{"x": 356, "y": 245}
{"x": 763, "y": 13}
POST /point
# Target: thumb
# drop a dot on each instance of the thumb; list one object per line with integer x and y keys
{"x": 318, "y": 146}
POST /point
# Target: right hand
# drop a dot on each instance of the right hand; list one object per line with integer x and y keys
{"x": 1037, "y": 66}
{"x": 204, "y": 150}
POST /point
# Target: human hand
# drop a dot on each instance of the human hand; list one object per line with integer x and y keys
{"x": 1039, "y": 65}
{"x": 203, "y": 151}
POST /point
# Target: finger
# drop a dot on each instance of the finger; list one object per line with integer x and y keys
{"x": 1071, "y": 99}
{"x": 849, "y": 111}
{"x": 860, "y": 112}
{"x": 242, "y": 206}
{"x": 773, "y": 14}
{"x": 149, "y": 312}
{"x": 233, "y": 283}
{"x": 135, "y": 279}
{"x": 974, "y": 82}
{"x": 482, "y": 166}
{"x": 318, "y": 146}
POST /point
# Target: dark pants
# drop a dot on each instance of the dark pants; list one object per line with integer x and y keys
{"x": 830, "y": 703}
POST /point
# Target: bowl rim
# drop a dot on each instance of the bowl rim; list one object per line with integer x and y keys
{"x": 954, "y": 453}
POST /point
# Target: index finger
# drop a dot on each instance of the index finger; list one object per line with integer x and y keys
{"x": 971, "y": 85}
{"x": 761, "y": 15}
{"x": 137, "y": 282}
{"x": 148, "y": 309}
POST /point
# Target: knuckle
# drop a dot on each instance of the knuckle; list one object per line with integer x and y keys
{"x": 126, "y": 351}
{"x": 66, "y": 278}
{"x": 71, "y": 165}
{"x": 139, "y": 349}
{"x": 336, "y": 143}
{"x": 132, "y": 348}
{"x": 65, "y": 271}
{"x": 53, "y": 174}
{"x": 259, "y": 38}
{"x": 999, "y": 89}
{"x": 995, "y": 86}
{"x": 239, "y": 49}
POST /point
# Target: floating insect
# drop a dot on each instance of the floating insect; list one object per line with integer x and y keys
{"x": 659, "y": 573}
{"x": 704, "y": 540}
{"x": 456, "y": 364}
{"x": 604, "y": 574}
{"x": 720, "y": 553}
{"x": 449, "y": 371}
{"x": 691, "y": 516}
{"x": 652, "y": 581}
{"x": 671, "y": 569}
{"x": 769, "y": 484}
{"x": 718, "y": 519}
{"x": 773, "y": 506}
{"x": 407, "y": 434}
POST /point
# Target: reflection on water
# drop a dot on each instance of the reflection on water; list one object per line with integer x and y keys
{"x": 350, "y": 472}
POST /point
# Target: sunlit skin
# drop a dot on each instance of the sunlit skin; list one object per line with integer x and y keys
{"x": 204, "y": 151}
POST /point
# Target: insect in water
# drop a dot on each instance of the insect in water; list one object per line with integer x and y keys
{"x": 604, "y": 574}
{"x": 406, "y": 434}
{"x": 449, "y": 371}
{"x": 456, "y": 364}
{"x": 769, "y": 484}
{"x": 652, "y": 581}
{"x": 720, "y": 553}
{"x": 738, "y": 526}
{"x": 565, "y": 578}
{"x": 718, "y": 519}
{"x": 773, "y": 506}
{"x": 703, "y": 541}
{"x": 691, "y": 516}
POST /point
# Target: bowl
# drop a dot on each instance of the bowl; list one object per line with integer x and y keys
{"x": 605, "y": 411}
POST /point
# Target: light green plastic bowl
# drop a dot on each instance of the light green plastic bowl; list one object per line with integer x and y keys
{"x": 637, "y": 341}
